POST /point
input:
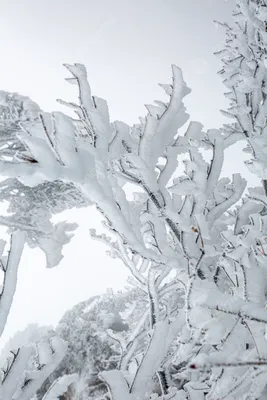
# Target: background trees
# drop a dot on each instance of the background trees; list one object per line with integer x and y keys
{"x": 94, "y": 330}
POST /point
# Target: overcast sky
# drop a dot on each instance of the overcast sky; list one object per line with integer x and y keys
{"x": 128, "y": 46}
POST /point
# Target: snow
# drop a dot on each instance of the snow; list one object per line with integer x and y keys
{"x": 194, "y": 242}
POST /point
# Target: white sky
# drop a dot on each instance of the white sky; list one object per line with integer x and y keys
{"x": 128, "y": 47}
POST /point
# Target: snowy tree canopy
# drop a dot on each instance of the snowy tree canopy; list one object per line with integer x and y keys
{"x": 169, "y": 235}
{"x": 195, "y": 242}
{"x": 31, "y": 208}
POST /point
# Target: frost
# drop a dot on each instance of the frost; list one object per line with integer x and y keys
{"x": 194, "y": 242}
